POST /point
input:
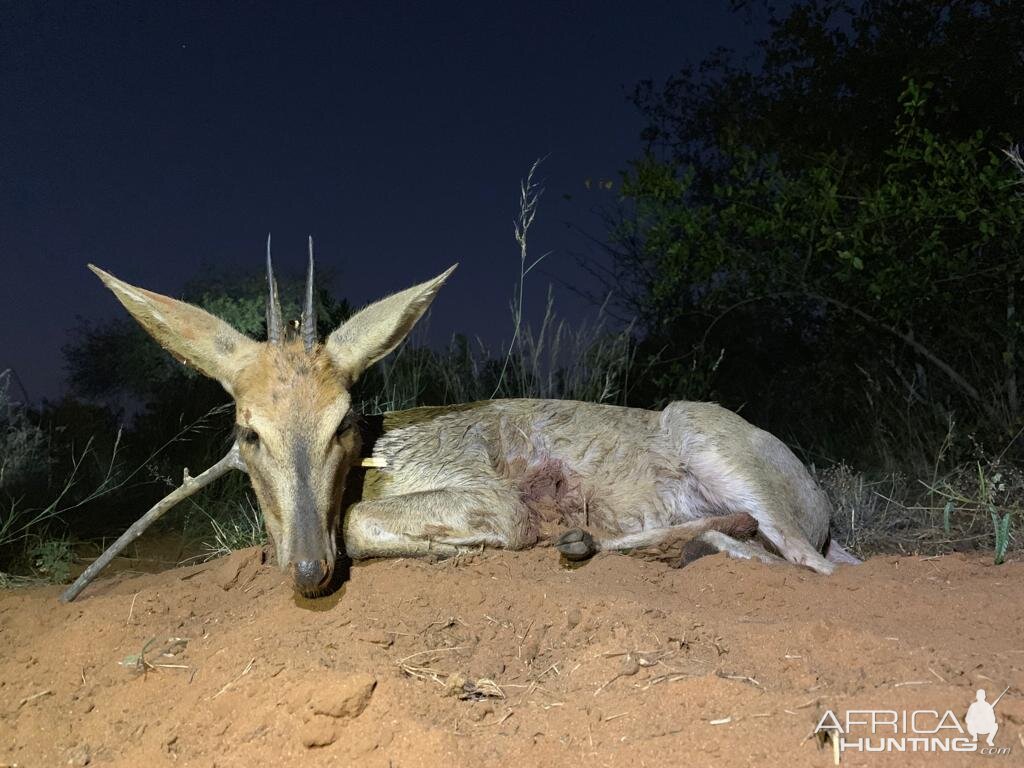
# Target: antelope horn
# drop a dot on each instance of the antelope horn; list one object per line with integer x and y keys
{"x": 274, "y": 321}
{"x": 308, "y": 313}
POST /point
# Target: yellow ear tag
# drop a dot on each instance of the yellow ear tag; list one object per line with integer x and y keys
{"x": 373, "y": 461}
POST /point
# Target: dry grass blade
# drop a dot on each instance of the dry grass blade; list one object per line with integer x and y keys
{"x": 503, "y": 718}
{"x": 33, "y": 697}
{"x": 424, "y": 673}
{"x": 744, "y": 678}
{"x": 131, "y": 609}
{"x": 444, "y": 649}
{"x": 482, "y": 689}
{"x": 669, "y": 678}
{"x": 243, "y": 673}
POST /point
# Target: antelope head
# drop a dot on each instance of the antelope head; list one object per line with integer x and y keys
{"x": 293, "y": 410}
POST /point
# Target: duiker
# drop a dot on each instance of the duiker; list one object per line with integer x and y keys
{"x": 502, "y": 473}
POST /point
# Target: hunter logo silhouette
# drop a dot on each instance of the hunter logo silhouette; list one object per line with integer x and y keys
{"x": 981, "y": 717}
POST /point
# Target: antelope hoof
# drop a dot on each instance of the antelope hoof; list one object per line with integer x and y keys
{"x": 576, "y": 544}
{"x": 693, "y": 550}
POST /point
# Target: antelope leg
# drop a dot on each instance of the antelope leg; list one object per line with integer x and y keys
{"x": 740, "y": 525}
{"x": 440, "y": 522}
{"x": 577, "y": 544}
{"x": 716, "y": 541}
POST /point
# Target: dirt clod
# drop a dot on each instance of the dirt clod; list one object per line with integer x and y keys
{"x": 237, "y": 569}
{"x": 318, "y": 732}
{"x": 345, "y": 698}
{"x": 79, "y": 756}
{"x": 455, "y": 685}
{"x": 573, "y": 617}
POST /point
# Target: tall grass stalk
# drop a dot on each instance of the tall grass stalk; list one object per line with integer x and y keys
{"x": 529, "y": 196}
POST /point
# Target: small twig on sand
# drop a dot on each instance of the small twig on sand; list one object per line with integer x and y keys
{"x": 131, "y": 609}
{"x": 823, "y": 737}
{"x": 630, "y": 666}
{"x": 33, "y": 697}
{"x": 504, "y": 717}
{"x": 424, "y": 673}
{"x": 243, "y": 673}
{"x": 445, "y": 649}
{"x": 744, "y": 678}
{"x": 526, "y": 634}
{"x": 670, "y": 678}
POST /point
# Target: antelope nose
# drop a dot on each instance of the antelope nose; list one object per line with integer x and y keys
{"x": 310, "y": 575}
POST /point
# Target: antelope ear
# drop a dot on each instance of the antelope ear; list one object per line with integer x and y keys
{"x": 374, "y": 331}
{"x": 192, "y": 335}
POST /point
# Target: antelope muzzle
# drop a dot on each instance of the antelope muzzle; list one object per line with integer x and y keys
{"x": 311, "y": 577}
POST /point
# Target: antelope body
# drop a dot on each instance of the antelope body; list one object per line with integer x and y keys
{"x": 501, "y": 473}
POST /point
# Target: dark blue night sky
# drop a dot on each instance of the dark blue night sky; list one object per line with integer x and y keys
{"x": 156, "y": 138}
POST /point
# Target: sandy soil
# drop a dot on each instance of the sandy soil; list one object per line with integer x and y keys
{"x": 504, "y": 659}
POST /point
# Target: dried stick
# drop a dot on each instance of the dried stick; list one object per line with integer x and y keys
{"x": 232, "y": 460}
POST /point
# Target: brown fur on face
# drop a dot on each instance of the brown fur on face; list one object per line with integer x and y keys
{"x": 288, "y": 407}
{"x": 285, "y": 375}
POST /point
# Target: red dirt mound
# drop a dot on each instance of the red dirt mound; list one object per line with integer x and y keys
{"x": 504, "y": 658}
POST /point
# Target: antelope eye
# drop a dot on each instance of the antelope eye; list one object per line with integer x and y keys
{"x": 344, "y": 428}
{"x": 249, "y": 436}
